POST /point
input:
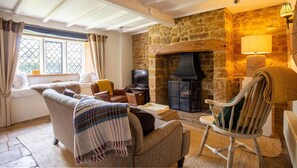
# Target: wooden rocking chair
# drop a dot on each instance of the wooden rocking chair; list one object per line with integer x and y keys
{"x": 252, "y": 117}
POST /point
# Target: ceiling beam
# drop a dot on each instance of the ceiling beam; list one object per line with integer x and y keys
{"x": 85, "y": 15}
{"x": 207, "y": 7}
{"x": 151, "y": 2}
{"x": 108, "y": 19}
{"x": 139, "y": 27}
{"x": 19, "y": 7}
{"x": 125, "y": 23}
{"x": 58, "y": 8}
{"x": 184, "y": 5}
{"x": 135, "y": 6}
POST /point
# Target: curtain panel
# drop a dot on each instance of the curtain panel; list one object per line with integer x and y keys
{"x": 10, "y": 39}
{"x": 97, "y": 49}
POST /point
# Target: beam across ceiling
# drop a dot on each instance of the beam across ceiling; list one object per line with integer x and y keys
{"x": 125, "y": 23}
{"x": 139, "y": 27}
{"x": 85, "y": 15}
{"x": 108, "y": 19}
{"x": 19, "y": 7}
{"x": 135, "y": 6}
{"x": 184, "y": 5}
{"x": 58, "y": 8}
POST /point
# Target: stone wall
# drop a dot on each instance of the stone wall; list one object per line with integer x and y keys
{"x": 196, "y": 33}
{"x": 217, "y": 31}
{"x": 140, "y": 51}
{"x": 261, "y": 21}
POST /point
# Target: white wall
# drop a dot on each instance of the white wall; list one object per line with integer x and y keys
{"x": 119, "y": 59}
{"x": 126, "y": 59}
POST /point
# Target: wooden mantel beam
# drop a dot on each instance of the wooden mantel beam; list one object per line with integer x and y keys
{"x": 135, "y": 6}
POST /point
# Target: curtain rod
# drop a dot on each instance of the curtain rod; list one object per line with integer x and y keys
{"x": 61, "y": 30}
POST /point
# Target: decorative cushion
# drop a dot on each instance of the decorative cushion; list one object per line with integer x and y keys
{"x": 69, "y": 93}
{"x": 85, "y": 77}
{"x": 104, "y": 85}
{"x": 20, "y": 81}
{"x": 227, "y": 114}
{"x": 146, "y": 119}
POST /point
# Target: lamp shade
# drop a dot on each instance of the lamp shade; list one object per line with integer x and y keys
{"x": 256, "y": 44}
{"x": 286, "y": 10}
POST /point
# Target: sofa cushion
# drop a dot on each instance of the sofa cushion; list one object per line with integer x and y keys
{"x": 146, "y": 119}
{"x": 69, "y": 92}
{"x": 104, "y": 85}
{"x": 20, "y": 81}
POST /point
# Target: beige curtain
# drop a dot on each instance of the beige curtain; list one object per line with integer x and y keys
{"x": 97, "y": 49}
{"x": 294, "y": 36}
{"x": 10, "y": 39}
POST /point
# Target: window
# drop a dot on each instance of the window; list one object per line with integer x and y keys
{"x": 50, "y": 56}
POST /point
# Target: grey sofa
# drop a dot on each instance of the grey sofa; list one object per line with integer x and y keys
{"x": 163, "y": 147}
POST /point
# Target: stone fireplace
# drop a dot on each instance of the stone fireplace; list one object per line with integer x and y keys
{"x": 163, "y": 60}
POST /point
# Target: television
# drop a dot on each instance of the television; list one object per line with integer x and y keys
{"x": 140, "y": 78}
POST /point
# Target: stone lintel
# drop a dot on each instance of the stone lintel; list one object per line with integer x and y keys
{"x": 189, "y": 46}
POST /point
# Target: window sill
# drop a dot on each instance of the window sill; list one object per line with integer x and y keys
{"x": 52, "y": 75}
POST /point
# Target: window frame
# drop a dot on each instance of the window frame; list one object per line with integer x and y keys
{"x": 42, "y": 60}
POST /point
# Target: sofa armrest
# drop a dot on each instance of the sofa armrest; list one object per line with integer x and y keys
{"x": 186, "y": 142}
{"x": 103, "y": 96}
{"x": 119, "y": 91}
{"x": 160, "y": 134}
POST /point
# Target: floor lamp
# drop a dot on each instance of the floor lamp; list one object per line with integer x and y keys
{"x": 255, "y": 44}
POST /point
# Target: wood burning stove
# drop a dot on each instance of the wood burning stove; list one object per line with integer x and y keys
{"x": 185, "y": 92}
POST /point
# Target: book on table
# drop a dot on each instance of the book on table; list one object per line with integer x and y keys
{"x": 154, "y": 108}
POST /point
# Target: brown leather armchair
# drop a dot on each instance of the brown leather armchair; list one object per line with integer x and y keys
{"x": 119, "y": 95}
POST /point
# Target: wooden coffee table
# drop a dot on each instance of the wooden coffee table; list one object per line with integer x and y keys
{"x": 166, "y": 115}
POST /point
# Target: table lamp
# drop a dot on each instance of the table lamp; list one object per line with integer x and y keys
{"x": 255, "y": 44}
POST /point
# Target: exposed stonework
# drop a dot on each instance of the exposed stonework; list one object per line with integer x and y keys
{"x": 140, "y": 51}
{"x": 261, "y": 21}
{"x": 197, "y": 33}
{"x": 219, "y": 32}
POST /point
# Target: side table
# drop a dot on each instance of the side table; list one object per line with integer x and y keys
{"x": 135, "y": 99}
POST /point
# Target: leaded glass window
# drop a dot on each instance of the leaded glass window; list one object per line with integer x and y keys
{"x": 53, "y": 57}
{"x": 50, "y": 56}
{"x": 29, "y": 55}
{"x": 74, "y": 57}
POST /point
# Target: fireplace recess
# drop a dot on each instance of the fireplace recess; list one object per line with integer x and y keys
{"x": 185, "y": 91}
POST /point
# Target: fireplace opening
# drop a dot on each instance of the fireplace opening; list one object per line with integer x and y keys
{"x": 186, "y": 89}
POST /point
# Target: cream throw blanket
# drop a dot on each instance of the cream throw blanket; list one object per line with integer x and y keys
{"x": 281, "y": 83}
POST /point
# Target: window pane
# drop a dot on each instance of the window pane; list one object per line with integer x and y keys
{"x": 53, "y": 57}
{"x": 29, "y": 55}
{"x": 74, "y": 57}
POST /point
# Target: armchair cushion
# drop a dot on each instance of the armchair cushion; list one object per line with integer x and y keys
{"x": 119, "y": 91}
{"x": 227, "y": 114}
{"x": 146, "y": 119}
{"x": 104, "y": 85}
{"x": 103, "y": 96}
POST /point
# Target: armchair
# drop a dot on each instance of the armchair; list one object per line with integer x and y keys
{"x": 119, "y": 95}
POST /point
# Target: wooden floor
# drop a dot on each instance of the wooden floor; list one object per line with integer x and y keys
{"x": 14, "y": 154}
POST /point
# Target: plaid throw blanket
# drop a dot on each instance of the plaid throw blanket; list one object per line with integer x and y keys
{"x": 100, "y": 127}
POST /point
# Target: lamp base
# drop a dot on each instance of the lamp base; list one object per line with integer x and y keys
{"x": 254, "y": 62}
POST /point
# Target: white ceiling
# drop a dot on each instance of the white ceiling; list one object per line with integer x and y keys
{"x": 129, "y": 16}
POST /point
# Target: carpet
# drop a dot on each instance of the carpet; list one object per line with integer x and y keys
{"x": 39, "y": 143}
